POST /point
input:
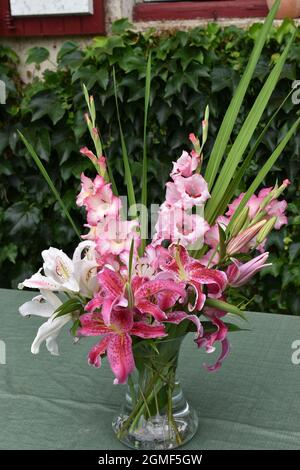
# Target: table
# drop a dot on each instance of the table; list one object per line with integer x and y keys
{"x": 47, "y": 402}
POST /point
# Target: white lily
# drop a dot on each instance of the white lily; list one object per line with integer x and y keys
{"x": 62, "y": 274}
{"x": 44, "y": 305}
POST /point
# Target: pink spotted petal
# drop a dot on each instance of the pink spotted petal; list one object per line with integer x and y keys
{"x": 146, "y": 307}
{"x": 178, "y": 317}
{"x": 111, "y": 281}
{"x": 224, "y": 353}
{"x": 199, "y": 299}
{"x": 122, "y": 319}
{"x": 154, "y": 287}
{"x": 145, "y": 330}
{"x": 92, "y": 325}
{"x": 120, "y": 357}
{"x": 94, "y": 357}
{"x": 216, "y": 280}
{"x": 107, "y": 306}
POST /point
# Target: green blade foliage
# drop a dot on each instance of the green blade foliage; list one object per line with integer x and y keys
{"x": 229, "y": 120}
{"x": 128, "y": 177}
{"x": 145, "y": 162}
{"x": 242, "y": 141}
{"x": 264, "y": 171}
{"x": 46, "y": 176}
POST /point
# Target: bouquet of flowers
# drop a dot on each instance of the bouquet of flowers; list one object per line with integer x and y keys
{"x": 140, "y": 296}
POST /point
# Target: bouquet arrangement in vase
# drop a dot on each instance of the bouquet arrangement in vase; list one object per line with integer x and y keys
{"x": 140, "y": 295}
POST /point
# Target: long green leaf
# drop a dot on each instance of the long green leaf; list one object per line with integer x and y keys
{"x": 242, "y": 141}
{"x": 234, "y": 184}
{"x": 264, "y": 171}
{"x": 229, "y": 120}
{"x": 221, "y": 305}
{"x": 46, "y": 176}
{"x": 128, "y": 177}
{"x": 145, "y": 162}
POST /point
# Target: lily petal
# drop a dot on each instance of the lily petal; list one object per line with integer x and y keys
{"x": 120, "y": 357}
{"x": 145, "y": 330}
{"x": 147, "y": 307}
{"x": 94, "y": 357}
{"x": 50, "y": 329}
{"x": 178, "y": 317}
{"x": 92, "y": 324}
{"x": 224, "y": 353}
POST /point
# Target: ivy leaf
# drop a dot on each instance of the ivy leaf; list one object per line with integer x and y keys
{"x": 122, "y": 25}
{"x": 37, "y": 55}
{"x": 22, "y": 217}
{"x": 47, "y": 104}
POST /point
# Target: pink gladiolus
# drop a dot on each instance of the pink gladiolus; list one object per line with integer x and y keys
{"x": 239, "y": 274}
{"x": 212, "y": 235}
{"x": 98, "y": 199}
{"x": 116, "y": 340}
{"x": 253, "y": 204}
{"x": 115, "y": 236}
{"x": 185, "y": 165}
{"x": 193, "y": 191}
{"x": 177, "y": 226}
{"x": 209, "y": 339}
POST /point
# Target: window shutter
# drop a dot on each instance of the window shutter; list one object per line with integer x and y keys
{"x": 60, "y": 25}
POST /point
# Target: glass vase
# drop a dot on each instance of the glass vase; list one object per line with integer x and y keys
{"x": 155, "y": 414}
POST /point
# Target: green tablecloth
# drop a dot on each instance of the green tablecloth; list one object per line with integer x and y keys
{"x": 49, "y": 402}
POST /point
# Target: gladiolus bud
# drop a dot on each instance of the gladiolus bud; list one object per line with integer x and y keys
{"x": 195, "y": 142}
{"x": 281, "y": 188}
{"x": 88, "y": 153}
{"x": 92, "y": 109}
{"x": 205, "y": 126}
{"x": 240, "y": 221}
{"x": 264, "y": 232}
{"x": 239, "y": 242}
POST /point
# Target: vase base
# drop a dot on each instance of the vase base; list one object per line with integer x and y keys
{"x": 156, "y": 433}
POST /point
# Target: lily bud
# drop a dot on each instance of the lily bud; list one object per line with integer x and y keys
{"x": 261, "y": 215}
{"x": 240, "y": 221}
{"x": 239, "y": 242}
{"x": 268, "y": 198}
{"x": 264, "y": 232}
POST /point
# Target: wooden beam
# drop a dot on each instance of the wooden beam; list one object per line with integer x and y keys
{"x": 208, "y": 9}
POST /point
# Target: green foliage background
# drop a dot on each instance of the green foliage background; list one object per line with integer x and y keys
{"x": 189, "y": 70}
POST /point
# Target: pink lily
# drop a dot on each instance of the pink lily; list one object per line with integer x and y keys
{"x": 179, "y": 316}
{"x": 239, "y": 274}
{"x": 191, "y": 271}
{"x": 145, "y": 294}
{"x": 116, "y": 340}
{"x": 208, "y": 340}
